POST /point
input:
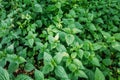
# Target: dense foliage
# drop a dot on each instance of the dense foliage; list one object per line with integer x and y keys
{"x": 59, "y": 39}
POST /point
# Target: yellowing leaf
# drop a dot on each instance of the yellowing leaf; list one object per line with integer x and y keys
{"x": 56, "y": 37}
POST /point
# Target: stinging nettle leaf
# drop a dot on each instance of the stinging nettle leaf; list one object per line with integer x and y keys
{"x": 76, "y": 30}
{"x": 50, "y": 38}
{"x": 90, "y": 74}
{"x": 92, "y": 27}
{"x": 78, "y": 63}
{"x": 95, "y": 61}
{"x": 117, "y": 36}
{"x": 2, "y": 62}
{"x": 47, "y": 58}
{"x": 61, "y": 48}
{"x": 37, "y": 8}
{"x": 29, "y": 67}
{"x": 48, "y": 68}
{"x": 97, "y": 46}
{"x": 72, "y": 67}
{"x": 116, "y": 45}
{"x": 81, "y": 74}
{"x": 12, "y": 67}
{"x": 39, "y": 23}
{"x": 107, "y": 62}
{"x": 27, "y": 1}
{"x": 4, "y": 74}
{"x": 73, "y": 55}
{"x": 10, "y": 48}
{"x": 106, "y": 35}
{"x": 60, "y": 72}
{"x": 72, "y": 13}
{"x": 38, "y": 75}
{"x": 58, "y": 57}
{"x": 69, "y": 39}
{"x": 80, "y": 53}
{"x": 15, "y": 58}
{"x": 31, "y": 42}
{"x": 99, "y": 75}
{"x": 99, "y": 20}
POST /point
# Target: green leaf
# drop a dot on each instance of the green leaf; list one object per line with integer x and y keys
{"x": 72, "y": 67}
{"x": 68, "y": 30}
{"x": 60, "y": 72}
{"x": 78, "y": 63}
{"x": 58, "y": 57}
{"x": 37, "y": 8}
{"x": 12, "y": 67}
{"x": 31, "y": 42}
{"x": 29, "y": 67}
{"x": 92, "y": 27}
{"x": 107, "y": 62}
{"x": 68, "y": 21}
{"x": 81, "y": 74}
{"x": 90, "y": 16}
{"x": 117, "y": 36}
{"x": 20, "y": 60}
{"x": 113, "y": 78}
{"x": 4, "y": 74}
{"x": 116, "y": 46}
{"x": 15, "y": 58}
{"x": 22, "y": 53}
{"x": 72, "y": 13}
{"x": 27, "y": 1}
{"x": 86, "y": 45}
{"x": 50, "y": 38}
{"x": 10, "y": 48}
{"x": 61, "y": 48}
{"x": 51, "y": 8}
{"x": 2, "y": 62}
{"x": 97, "y": 46}
{"x": 87, "y": 54}
{"x": 23, "y": 77}
{"x": 48, "y": 68}
{"x": 69, "y": 39}
{"x": 73, "y": 55}
{"x": 119, "y": 78}
{"x": 99, "y": 75}
{"x": 38, "y": 75}
{"x": 76, "y": 30}
{"x": 95, "y": 61}
{"x": 58, "y": 5}
{"x": 99, "y": 20}
{"x": 78, "y": 25}
{"x": 39, "y": 23}
{"x": 106, "y": 35}
{"x": 80, "y": 53}
{"x": 62, "y": 36}
{"x": 31, "y": 35}
{"x": 90, "y": 74}
{"x": 47, "y": 58}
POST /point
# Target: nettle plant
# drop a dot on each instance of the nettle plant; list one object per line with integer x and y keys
{"x": 59, "y": 40}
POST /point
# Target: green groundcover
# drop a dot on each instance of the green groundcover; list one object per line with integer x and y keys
{"x": 59, "y": 39}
